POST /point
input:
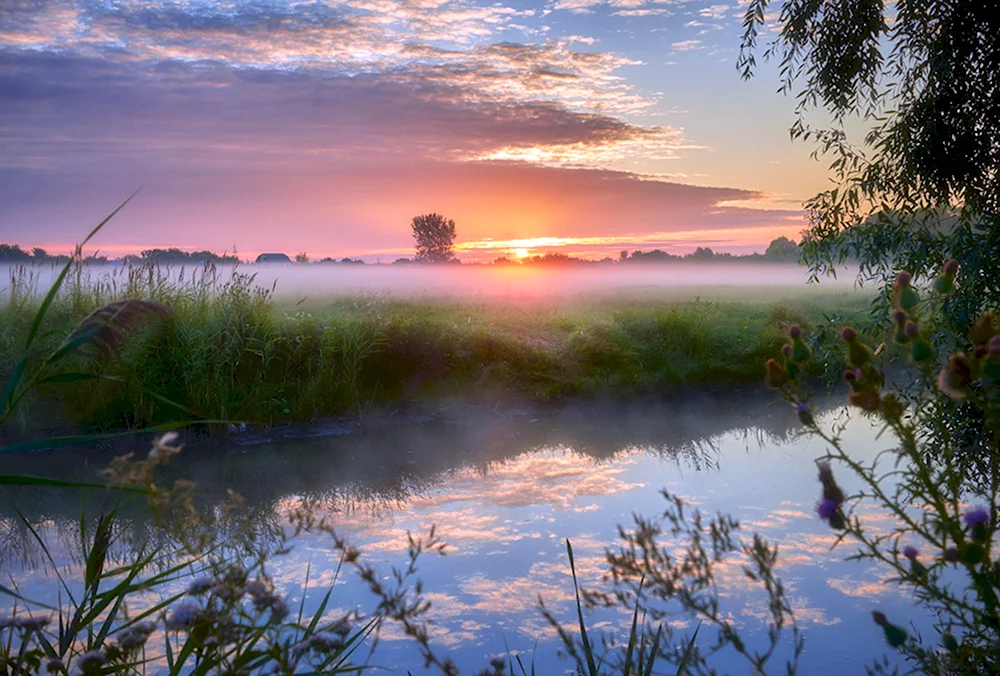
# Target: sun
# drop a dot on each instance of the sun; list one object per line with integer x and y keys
{"x": 521, "y": 253}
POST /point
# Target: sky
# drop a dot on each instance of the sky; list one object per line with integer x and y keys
{"x": 579, "y": 126}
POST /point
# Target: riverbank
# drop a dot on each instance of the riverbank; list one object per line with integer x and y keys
{"x": 233, "y": 352}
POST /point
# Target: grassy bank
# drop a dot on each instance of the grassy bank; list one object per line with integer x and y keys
{"x": 232, "y": 352}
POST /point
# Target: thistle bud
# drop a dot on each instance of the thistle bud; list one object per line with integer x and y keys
{"x": 776, "y": 375}
{"x": 950, "y": 267}
{"x": 786, "y": 350}
{"x": 795, "y": 332}
{"x": 955, "y": 377}
{"x": 983, "y": 330}
{"x": 800, "y": 351}
{"x": 903, "y": 295}
{"x": 950, "y": 555}
{"x": 867, "y": 399}
{"x": 831, "y": 491}
{"x": 900, "y": 317}
{"x": 848, "y": 334}
{"x": 892, "y": 407}
{"x": 993, "y": 347}
{"x": 894, "y": 636}
{"x": 911, "y": 329}
{"x": 805, "y": 415}
{"x": 949, "y": 642}
{"x": 922, "y": 350}
{"x": 879, "y": 618}
{"x": 858, "y": 353}
{"x": 973, "y": 553}
{"x": 943, "y": 284}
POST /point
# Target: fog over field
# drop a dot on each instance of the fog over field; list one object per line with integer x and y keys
{"x": 680, "y": 281}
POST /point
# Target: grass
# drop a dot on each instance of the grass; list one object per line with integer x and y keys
{"x": 232, "y": 351}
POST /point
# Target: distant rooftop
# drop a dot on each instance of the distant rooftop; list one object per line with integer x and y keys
{"x": 273, "y": 258}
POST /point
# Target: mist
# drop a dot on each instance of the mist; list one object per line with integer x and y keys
{"x": 495, "y": 283}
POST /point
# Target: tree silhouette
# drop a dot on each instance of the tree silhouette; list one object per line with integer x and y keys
{"x": 434, "y": 237}
{"x": 782, "y": 247}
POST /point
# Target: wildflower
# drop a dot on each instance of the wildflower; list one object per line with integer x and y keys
{"x": 497, "y": 663}
{"x": 279, "y": 610}
{"x": 900, "y": 316}
{"x": 950, "y": 555}
{"x": 794, "y": 331}
{"x": 184, "y": 615}
{"x": 911, "y": 553}
{"x": 6, "y": 622}
{"x": 31, "y": 623}
{"x": 805, "y": 415}
{"x": 259, "y": 592}
{"x": 200, "y": 585}
{"x": 342, "y": 627}
{"x": 54, "y": 665}
{"x": 977, "y": 516}
{"x": 826, "y": 509}
{"x": 994, "y": 345}
{"x": 950, "y": 267}
{"x": 848, "y": 334}
{"x": 90, "y": 661}
{"x": 911, "y": 329}
{"x": 322, "y": 643}
{"x": 135, "y": 637}
{"x": 786, "y": 350}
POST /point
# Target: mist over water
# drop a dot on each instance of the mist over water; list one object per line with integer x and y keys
{"x": 667, "y": 281}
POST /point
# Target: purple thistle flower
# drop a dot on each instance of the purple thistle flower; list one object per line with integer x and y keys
{"x": 826, "y": 509}
{"x": 910, "y": 552}
{"x": 184, "y": 615}
{"x": 976, "y": 517}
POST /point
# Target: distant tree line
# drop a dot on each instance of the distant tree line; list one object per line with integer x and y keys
{"x": 175, "y": 256}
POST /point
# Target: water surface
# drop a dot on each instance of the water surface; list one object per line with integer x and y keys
{"x": 506, "y": 489}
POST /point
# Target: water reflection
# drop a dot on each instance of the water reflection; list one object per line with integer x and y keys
{"x": 505, "y": 490}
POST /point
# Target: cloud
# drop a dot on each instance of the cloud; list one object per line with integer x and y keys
{"x": 687, "y": 45}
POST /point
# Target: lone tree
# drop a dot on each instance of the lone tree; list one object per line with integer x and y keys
{"x": 434, "y": 237}
{"x": 782, "y": 247}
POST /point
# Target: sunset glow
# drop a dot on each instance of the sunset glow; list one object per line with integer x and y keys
{"x": 580, "y": 126}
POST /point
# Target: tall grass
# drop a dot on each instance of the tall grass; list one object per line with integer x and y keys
{"x": 231, "y": 351}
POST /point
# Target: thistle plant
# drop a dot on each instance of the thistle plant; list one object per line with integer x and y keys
{"x": 940, "y": 546}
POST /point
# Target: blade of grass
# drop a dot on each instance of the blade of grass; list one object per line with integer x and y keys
{"x": 587, "y": 648}
{"x": 627, "y": 669}
{"x": 688, "y": 651}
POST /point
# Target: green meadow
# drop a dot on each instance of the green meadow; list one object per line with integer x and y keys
{"x": 236, "y": 351}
